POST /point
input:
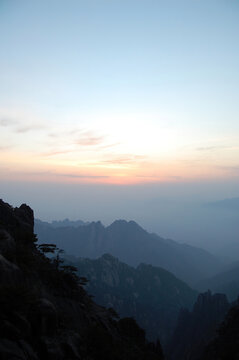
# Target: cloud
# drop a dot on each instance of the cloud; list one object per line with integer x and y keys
{"x": 79, "y": 138}
{"x": 56, "y": 152}
{"x": 5, "y": 147}
{"x": 29, "y": 127}
{"x": 124, "y": 159}
{"x": 173, "y": 177}
{"x": 149, "y": 176}
{"x": 107, "y": 146}
{"x": 19, "y": 125}
{"x": 65, "y": 133}
{"x": 83, "y": 176}
{"x": 119, "y": 160}
{"x": 65, "y": 175}
{"x": 39, "y": 173}
{"x": 228, "y": 168}
{"x": 90, "y": 138}
{"x": 69, "y": 141}
{"x": 212, "y": 148}
{"x": 190, "y": 162}
{"x": 7, "y": 121}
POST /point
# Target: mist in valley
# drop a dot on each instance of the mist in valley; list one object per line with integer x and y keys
{"x": 191, "y": 213}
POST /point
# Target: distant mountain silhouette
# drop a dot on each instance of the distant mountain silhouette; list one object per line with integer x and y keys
{"x": 227, "y": 204}
{"x": 132, "y": 245}
{"x": 151, "y": 295}
{"x": 62, "y": 223}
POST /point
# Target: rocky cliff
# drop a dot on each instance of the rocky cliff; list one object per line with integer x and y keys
{"x": 197, "y": 328}
{"x": 152, "y": 295}
{"x": 226, "y": 344}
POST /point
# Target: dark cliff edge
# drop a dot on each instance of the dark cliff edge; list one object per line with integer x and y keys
{"x": 44, "y": 311}
{"x": 226, "y": 344}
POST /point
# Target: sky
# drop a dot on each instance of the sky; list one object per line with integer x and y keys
{"x": 105, "y": 94}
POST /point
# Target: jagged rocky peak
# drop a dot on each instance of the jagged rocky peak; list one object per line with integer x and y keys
{"x": 16, "y": 220}
{"x": 110, "y": 259}
{"x": 118, "y": 223}
{"x": 96, "y": 225}
{"x": 226, "y": 344}
{"x": 196, "y": 329}
{"x": 216, "y": 302}
{"x": 127, "y": 225}
{"x": 67, "y": 223}
{"x": 143, "y": 266}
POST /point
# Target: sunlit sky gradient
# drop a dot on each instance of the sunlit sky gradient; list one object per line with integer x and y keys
{"x": 119, "y": 91}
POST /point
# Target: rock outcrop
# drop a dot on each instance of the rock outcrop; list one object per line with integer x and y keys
{"x": 197, "y": 328}
{"x": 226, "y": 344}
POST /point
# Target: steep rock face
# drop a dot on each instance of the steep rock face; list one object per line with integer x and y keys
{"x": 210, "y": 306}
{"x": 226, "y": 345}
{"x": 16, "y": 221}
{"x": 132, "y": 245}
{"x": 152, "y": 295}
{"x": 44, "y": 311}
{"x": 196, "y": 329}
{"x": 10, "y": 273}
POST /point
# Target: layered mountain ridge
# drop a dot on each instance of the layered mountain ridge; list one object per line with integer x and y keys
{"x": 45, "y": 313}
{"x": 132, "y": 245}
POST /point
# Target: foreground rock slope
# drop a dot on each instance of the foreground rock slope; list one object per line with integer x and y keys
{"x": 44, "y": 311}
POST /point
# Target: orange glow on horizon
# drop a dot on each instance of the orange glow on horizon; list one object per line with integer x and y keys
{"x": 25, "y": 166}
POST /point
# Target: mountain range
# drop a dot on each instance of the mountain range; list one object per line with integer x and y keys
{"x": 46, "y": 312}
{"x": 133, "y": 245}
{"x": 231, "y": 204}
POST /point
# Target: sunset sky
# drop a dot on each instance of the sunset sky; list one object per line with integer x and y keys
{"x": 119, "y": 91}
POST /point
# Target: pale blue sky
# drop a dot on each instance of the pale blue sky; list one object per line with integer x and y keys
{"x": 179, "y": 58}
{"x": 119, "y": 89}
{"x": 147, "y": 85}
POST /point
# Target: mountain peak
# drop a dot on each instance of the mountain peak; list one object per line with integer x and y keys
{"x": 96, "y": 224}
{"x": 124, "y": 224}
{"x": 109, "y": 258}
